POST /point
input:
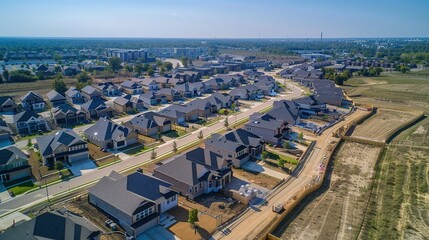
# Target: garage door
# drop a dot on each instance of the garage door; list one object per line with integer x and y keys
{"x": 78, "y": 157}
{"x": 180, "y": 120}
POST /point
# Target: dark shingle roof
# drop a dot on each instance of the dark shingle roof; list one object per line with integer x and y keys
{"x": 94, "y": 104}
{"x": 105, "y": 129}
{"x": 49, "y": 143}
{"x": 55, "y": 96}
{"x": 24, "y": 116}
{"x": 10, "y": 154}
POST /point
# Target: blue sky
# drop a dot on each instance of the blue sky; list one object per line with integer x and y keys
{"x": 215, "y": 18}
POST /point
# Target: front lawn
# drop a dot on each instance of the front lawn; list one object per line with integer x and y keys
{"x": 22, "y": 188}
{"x": 276, "y": 157}
{"x": 174, "y": 133}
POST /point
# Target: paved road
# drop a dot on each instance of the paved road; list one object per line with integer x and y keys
{"x": 250, "y": 224}
{"x": 32, "y": 198}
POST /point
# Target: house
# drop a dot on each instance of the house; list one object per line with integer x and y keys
{"x": 149, "y": 124}
{"x": 310, "y": 104}
{"x": 216, "y": 84}
{"x": 167, "y": 82}
{"x": 173, "y": 115}
{"x": 108, "y": 89}
{"x": 90, "y": 93}
{"x": 96, "y": 108}
{"x": 28, "y": 122}
{"x": 185, "y": 90}
{"x": 203, "y": 106}
{"x": 286, "y": 110}
{"x": 5, "y": 131}
{"x": 220, "y": 100}
{"x": 13, "y": 165}
{"x": 149, "y": 84}
{"x": 266, "y": 84}
{"x": 33, "y": 101}
{"x": 73, "y": 96}
{"x": 152, "y": 98}
{"x": 7, "y": 104}
{"x": 135, "y": 201}
{"x": 239, "y": 145}
{"x": 59, "y": 224}
{"x": 247, "y": 92}
{"x": 64, "y": 146}
{"x": 188, "y": 76}
{"x": 127, "y": 103}
{"x": 68, "y": 115}
{"x": 270, "y": 129}
{"x": 200, "y": 88}
{"x": 170, "y": 94}
{"x": 131, "y": 87}
{"x": 71, "y": 70}
{"x": 180, "y": 113}
{"x": 196, "y": 172}
{"x": 55, "y": 98}
{"x": 109, "y": 135}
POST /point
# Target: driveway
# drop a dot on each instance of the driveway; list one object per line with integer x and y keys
{"x": 4, "y": 194}
{"x": 158, "y": 233}
{"x": 258, "y": 167}
{"x": 83, "y": 167}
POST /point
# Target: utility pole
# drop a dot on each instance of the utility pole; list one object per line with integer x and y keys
{"x": 46, "y": 186}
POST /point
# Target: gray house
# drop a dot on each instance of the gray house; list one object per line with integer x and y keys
{"x": 239, "y": 145}
{"x": 286, "y": 110}
{"x": 196, "y": 172}
{"x": 68, "y": 115}
{"x": 90, "y": 93}
{"x": 55, "y": 98}
{"x": 135, "y": 201}
{"x": 13, "y": 165}
{"x": 109, "y": 135}
{"x": 28, "y": 122}
{"x": 62, "y": 146}
{"x": 7, "y": 104}
{"x": 96, "y": 108}
{"x": 33, "y": 101}
{"x": 270, "y": 129}
{"x": 149, "y": 124}
{"x": 73, "y": 96}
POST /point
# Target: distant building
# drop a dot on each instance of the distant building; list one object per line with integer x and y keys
{"x": 128, "y": 55}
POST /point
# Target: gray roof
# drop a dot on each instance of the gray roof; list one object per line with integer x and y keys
{"x": 10, "y": 154}
{"x": 55, "y": 96}
{"x": 31, "y": 93}
{"x": 53, "y": 225}
{"x": 3, "y": 99}
{"x": 127, "y": 193}
{"x": 149, "y": 120}
{"x": 105, "y": 129}
{"x": 24, "y": 116}
{"x": 88, "y": 89}
{"x": 264, "y": 121}
{"x": 64, "y": 108}
{"x": 71, "y": 92}
{"x": 49, "y": 143}
{"x": 93, "y": 104}
{"x": 130, "y": 84}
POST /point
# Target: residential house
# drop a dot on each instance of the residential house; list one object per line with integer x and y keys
{"x": 200, "y": 88}
{"x": 13, "y": 165}
{"x": 7, "y": 104}
{"x": 127, "y": 103}
{"x": 108, "y": 89}
{"x": 109, "y": 135}
{"x": 28, "y": 122}
{"x": 239, "y": 145}
{"x": 131, "y": 87}
{"x": 90, "y": 93}
{"x": 152, "y": 98}
{"x": 33, "y": 101}
{"x": 203, "y": 106}
{"x": 170, "y": 94}
{"x": 96, "y": 108}
{"x": 149, "y": 124}
{"x": 185, "y": 90}
{"x": 180, "y": 113}
{"x": 56, "y": 98}
{"x": 73, "y": 96}
{"x": 135, "y": 201}
{"x": 5, "y": 131}
{"x": 71, "y": 70}
{"x": 167, "y": 82}
{"x": 196, "y": 172}
{"x": 310, "y": 105}
{"x": 68, "y": 115}
{"x": 247, "y": 92}
{"x": 188, "y": 76}
{"x": 220, "y": 100}
{"x": 270, "y": 129}
{"x": 266, "y": 84}
{"x": 149, "y": 84}
{"x": 64, "y": 146}
{"x": 59, "y": 224}
{"x": 286, "y": 110}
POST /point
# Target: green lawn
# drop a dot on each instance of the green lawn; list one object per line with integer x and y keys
{"x": 276, "y": 157}
{"x": 136, "y": 150}
{"x": 174, "y": 133}
{"x": 23, "y": 187}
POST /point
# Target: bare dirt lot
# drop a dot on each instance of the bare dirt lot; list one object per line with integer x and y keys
{"x": 337, "y": 209}
{"x": 380, "y": 125}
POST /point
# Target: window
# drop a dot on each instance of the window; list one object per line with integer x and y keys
{"x": 144, "y": 214}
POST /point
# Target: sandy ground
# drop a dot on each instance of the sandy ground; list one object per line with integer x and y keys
{"x": 337, "y": 209}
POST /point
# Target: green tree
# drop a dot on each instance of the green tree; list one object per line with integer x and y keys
{"x": 301, "y": 136}
{"x": 59, "y": 165}
{"x": 83, "y": 77}
{"x": 57, "y": 58}
{"x": 150, "y": 72}
{"x": 193, "y": 217}
{"x": 114, "y": 63}
{"x": 1, "y": 79}
{"x": 22, "y": 76}
{"x": 145, "y": 67}
{"x": 158, "y": 62}
{"x": 168, "y": 66}
{"x": 264, "y": 155}
{"x": 29, "y": 143}
{"x": 40, "y": 75}
{"x": 138, "y": 69}
{"x": 233, "y": 106}
{"x": 286, "y": 145}
{"x": 60, "y": 86}
{"x": 6, "y": 75}
{"x": 281, "y": 163}
{"x": 184, "y": 61}
{"x": 404, "y": 69}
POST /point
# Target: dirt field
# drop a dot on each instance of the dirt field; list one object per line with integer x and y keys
{"x": 42, "y": 87}
{"x": 336, "y": 210}
{"x": 379, "y": 126}
{"x": 258, "y": 178}
{"x": 400, "y": 200}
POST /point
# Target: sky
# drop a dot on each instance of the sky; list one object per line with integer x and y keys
{"x": 214, "y": 18}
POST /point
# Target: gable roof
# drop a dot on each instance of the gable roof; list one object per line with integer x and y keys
{"x": 4, "y": 99}
{"x": 105, "y": 129}
{"x": 10, "y": 154}
{"x": 24, "y": 116}
{"x": 149, "y": 120}
{"x": 127, "y": 193}
{"x": 31, "y": 94}
{"x": 55, "y": 96}
{"x": 71, "y": 92}
{"x": 88, "y": 90}
{"x": 93, "y": 104}
{"x": 49, "y": 143}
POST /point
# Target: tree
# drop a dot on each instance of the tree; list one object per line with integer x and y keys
{"x": 174, "y": 146}
{"x": 158, "y": 62}
{"x": 57, "y": 58}
{"x": 138, "y": 69}
{"x": 404, "y": 69}
{"x": 168, "y": 66}
{"x": 184, "y": 61}
{"x": 200, "y": 134}
{"x": 22, "y": 76}
{"x": 29, "y": 143}
{"x": 264, "y": 155}
{"x": 286, "y": 145}
{"x": 114, "y": 63}
{"x": 150, "y": 72}
{"x": 159, "y": 136}
{"x": 226, "y": 124}
{"x": 233, "y": 106}
{"x": 281, "y": 162}
{"x": 6, "y": 75}
{"x": 83, "y": 77}
{"x": 145, "y": 67}
{"x": 193, "y": 217}
{"x": 59, "y": 86}
{"x": 301, "y": 136}
{"x": 59, "y": 165}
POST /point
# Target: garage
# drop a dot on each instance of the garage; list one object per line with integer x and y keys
{"x": 78, "y": 157}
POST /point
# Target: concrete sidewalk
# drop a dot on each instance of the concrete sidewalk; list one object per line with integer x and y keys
{"x": 259, "y": 167}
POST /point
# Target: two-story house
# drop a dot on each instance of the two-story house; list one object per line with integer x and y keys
{"x": 149, "y": 124}
{"x": 62, "y": 146}
{"x": 108, "y": 89}
{"x": 28, "y": 122}
{"x": 239, "y": 145}
{"x": 135, "y": 201}
{"x": 271, "y": 130}
{"x": 132, "y": 87}
{"x": 68, "y": 115}
{"x": 13, "y": 165}
{"x": 96, "y": 108}
{"x": 73, "y": 96}
{"x": 90, "y": 93}
{"x": 33, "y": 101}
{"x": 109, "y": 135}
{"x": 196, "y": 172}
{"x": 149, "y": 84}
{"x": 7, "y": 104}
{"x": 55, "y": 98}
